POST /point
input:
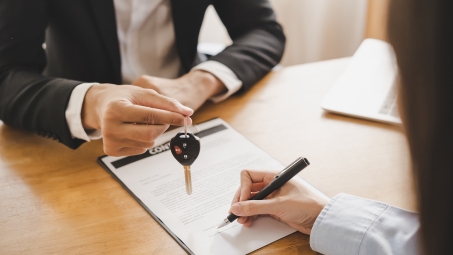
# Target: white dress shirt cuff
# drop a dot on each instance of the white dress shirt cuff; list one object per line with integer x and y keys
{"x": 224, "y": 74}
{"x": 353, "y": 225}
{"x": 74, "y": 114}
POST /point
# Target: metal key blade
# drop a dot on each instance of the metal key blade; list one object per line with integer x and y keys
{"x": 188, "y": 177}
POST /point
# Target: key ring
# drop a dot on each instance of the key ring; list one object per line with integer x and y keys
{"x": 185, "y": 126}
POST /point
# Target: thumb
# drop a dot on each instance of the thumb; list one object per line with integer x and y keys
{"x": 253, "y": 207}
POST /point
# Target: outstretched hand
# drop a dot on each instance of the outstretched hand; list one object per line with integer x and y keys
{"x": 130, "y": 117}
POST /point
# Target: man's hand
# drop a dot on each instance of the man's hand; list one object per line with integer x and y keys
{"x": 192, "y": 89}
{"x": 294, "y": 203}
{"x": 130, "y": 117}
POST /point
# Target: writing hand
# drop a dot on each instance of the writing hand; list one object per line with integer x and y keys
{"x": 294, "y": 203}
{"x": 130, "y": 117}
{"x": 192, "y": 89}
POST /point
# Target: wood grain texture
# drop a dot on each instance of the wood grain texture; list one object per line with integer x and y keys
{"x": 58, "y": 201}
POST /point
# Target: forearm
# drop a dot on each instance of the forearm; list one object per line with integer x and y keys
{"x": 192, "y": 89}
{"x": 353, "y": 225}
{"x": 230, "y": 82}
{"x": 206, "y": 84}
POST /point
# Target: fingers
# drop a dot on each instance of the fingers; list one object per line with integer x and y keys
{"x": 117, "y": 109}
{"x": 144, "y": 133}
{"x": 126, "y": 111}
{"x": 246, "y": 185}
{"x": 236, "y": 196}
{"x": 130, "y": 139}
{"x": 152, "y": 116}
{"x": 258, "y": 176}
{"x": 247, "y": 221}
{"x": 252, "y": 181}
{"x": 123, "y": 137}
{"x": 126, "y": 142}
{"x": 131, "y": 151}
{"x": 254, "y": 207}
{"x": 250, "y": 220}
{"x": 242, "y": 220}
{"x": 258, "y": 186}
{"x": 151, "y": 98}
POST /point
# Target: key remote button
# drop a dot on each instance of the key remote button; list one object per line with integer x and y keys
{"x": 186, "y": 156}
{"x": 177, "y": 149}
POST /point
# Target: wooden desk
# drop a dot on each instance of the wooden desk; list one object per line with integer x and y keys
{"x": 59, "y": 201}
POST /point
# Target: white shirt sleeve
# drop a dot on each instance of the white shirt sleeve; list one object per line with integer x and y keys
{"x": 74, "y": 114}
{"x": 352, "y": 225}
{"x": 224, "y": 74}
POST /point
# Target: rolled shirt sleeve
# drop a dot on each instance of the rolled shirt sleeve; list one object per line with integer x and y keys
{"x": 352, "y": 225}
{"x": 224, "y": 74}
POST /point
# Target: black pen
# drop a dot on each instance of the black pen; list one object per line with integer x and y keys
{"x": 280, "y": 179}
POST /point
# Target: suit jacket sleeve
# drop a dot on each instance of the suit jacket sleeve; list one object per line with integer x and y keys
{"x": 353, "y": 225}
{"x": 258, "y": 40}
{"x": 28, "y": 99}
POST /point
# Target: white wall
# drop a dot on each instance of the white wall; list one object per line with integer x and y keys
{"x": 315, "y": 29}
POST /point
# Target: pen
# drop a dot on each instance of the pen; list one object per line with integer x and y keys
{"x": 280, "y": 179}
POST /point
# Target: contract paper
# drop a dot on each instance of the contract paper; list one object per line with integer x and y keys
{"x": 156, "y": 179}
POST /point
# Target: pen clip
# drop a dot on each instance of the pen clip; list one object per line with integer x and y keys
{"x": 286, "y": 168}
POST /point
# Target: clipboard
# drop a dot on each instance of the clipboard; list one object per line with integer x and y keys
{"x": 221, "y": 130}
{"x": 175, "y": 237}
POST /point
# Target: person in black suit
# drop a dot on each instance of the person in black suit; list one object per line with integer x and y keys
{"x": 60, "y": 59}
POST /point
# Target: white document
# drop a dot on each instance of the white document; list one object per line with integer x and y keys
{"x": 157, "y": 180}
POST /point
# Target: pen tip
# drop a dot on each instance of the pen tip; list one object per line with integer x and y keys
{"x": 224, "y": 223}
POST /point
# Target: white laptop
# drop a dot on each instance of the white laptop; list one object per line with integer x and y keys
{"x": 368, "y": 88}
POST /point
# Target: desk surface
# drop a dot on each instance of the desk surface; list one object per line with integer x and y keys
{"x": 55, "y": 200}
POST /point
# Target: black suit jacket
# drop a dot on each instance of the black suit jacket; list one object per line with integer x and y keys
{"x": 82, "y": 46}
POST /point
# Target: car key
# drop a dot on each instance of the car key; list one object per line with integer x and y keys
{"x": 185, "y": 147}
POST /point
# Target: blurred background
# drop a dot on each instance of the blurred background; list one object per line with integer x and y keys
{"x": 315, "y": 29}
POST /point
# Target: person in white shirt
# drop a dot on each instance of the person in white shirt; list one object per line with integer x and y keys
{"x": 421, "y": 34}
{"x": 67, "y": 90}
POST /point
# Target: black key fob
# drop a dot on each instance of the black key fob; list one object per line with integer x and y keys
{"x": 185, "y": 148}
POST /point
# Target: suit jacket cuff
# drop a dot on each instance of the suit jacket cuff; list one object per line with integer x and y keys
{"x": 224, "y": 74}
{"x": 74, "y": 114}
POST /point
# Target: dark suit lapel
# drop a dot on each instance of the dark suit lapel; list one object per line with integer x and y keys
{"x": 104, "y": 15}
